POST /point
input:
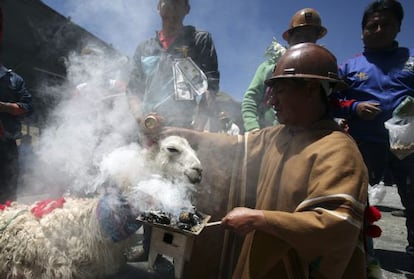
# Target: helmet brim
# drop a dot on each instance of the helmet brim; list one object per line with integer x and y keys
{"x": 322, "y": 31}
{"x": 339, "y": 84}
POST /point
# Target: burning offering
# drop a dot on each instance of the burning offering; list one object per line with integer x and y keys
{"x": 188, "y": 220}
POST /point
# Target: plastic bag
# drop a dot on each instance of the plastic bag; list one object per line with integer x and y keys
{"x": 401, "y": 134}
{"x": 376, "y": 193}
{"x": 405, "y": 108}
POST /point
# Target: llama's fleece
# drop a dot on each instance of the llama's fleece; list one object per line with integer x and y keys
{"x": 66, "y": 243}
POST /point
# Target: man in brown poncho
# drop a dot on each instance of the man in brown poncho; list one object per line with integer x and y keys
{"x": 308, "y": 175}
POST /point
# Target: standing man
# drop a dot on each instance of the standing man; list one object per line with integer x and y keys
{"x": 307, "y": 221}
{"x": 15, "y": 102}
{"x": 305, "y": 26}
{"x": 380, "y": 79}
{"x": 176, "y": 73}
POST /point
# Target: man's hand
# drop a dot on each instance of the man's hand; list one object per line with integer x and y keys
{"x": 244, "y": 220}
{"x": 368, "y": 110}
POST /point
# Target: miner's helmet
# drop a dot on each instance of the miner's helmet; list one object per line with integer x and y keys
{"x": 305, "y": 17}
{"x": 307, "y": 61}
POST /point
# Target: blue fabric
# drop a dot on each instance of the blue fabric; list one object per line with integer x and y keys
{"x": 116, "y": 218}
{"x": 149, "y": 64}
{"x": 157, "y": 69}
{"x": 386, "y": 77}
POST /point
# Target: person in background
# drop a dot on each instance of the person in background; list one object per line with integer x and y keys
{"x": 227, "y": 125}
{"x": 305, "y": 26}
{"x": 15, "y": 103}
{"x": 176, "y": 73}
{"x": 307, "y": 222}
{"x": 380, "y": 78}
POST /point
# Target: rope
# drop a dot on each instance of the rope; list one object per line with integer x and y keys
{"x": 2, "y": 229}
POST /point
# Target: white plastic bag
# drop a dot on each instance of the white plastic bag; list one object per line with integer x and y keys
{"x": 401, "y": 134}
{"x": 376, "y": 193}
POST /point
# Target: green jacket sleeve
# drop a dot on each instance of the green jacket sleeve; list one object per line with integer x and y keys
{"x": 251, "y": 104}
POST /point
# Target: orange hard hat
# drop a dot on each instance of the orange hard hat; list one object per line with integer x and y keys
{"x": 305, "y": 17}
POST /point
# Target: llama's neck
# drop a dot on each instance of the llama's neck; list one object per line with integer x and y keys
{"x": 115, "y": 217}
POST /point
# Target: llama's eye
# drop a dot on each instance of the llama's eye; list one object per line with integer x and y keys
{"x": 172, "y": 149}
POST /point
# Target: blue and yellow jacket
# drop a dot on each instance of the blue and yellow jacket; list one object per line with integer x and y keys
{"x": 386, "y": 77}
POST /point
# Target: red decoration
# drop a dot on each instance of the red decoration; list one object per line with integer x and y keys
{"x": 373, "y": 231}
{"x": 6, "y": 204}
{"x": 44, "y": 207}
{"x": 372, "y": 214}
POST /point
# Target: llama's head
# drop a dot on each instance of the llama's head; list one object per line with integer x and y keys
{"x": 168, "y": 170}
{"x": 177, "y": 160}
{"x": 171, "y": 158}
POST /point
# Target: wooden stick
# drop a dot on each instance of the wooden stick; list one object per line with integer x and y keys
{"x": 212, "y": 224}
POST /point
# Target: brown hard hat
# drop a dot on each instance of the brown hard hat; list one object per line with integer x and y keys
{"x": 306, "y": 61}
{"x": 305, "y": 17}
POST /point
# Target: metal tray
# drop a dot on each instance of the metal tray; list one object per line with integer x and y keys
{"x": 195, "y": 230}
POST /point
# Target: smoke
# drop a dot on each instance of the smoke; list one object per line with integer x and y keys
{"x": 157, "y": 193}
{"x": 129, "y": 165}
{"x": 92, "y": 119}
{"x": 91, "y": 138}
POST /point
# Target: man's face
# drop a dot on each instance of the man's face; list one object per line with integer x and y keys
{"x": 380, "y": 30}
{"x": 289, "y": 99}
{"x": 173, "y": 10}
{"x": 303, "y": 34}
